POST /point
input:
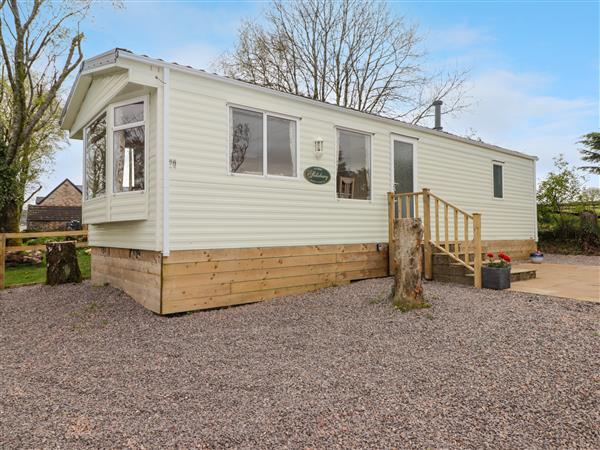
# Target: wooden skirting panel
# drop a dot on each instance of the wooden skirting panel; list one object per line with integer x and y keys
{"x": 201, "y": 279}
{"x": 136, "y": 272}
{"x": 517, "y": 249}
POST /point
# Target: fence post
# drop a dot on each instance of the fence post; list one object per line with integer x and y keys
{"x": 477, "y": 249}
{"x": 391, "y": 247}
{"x": 427, "y": 234}
{"x": 2, "y": 258}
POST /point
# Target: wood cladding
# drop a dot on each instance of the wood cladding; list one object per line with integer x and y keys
{"x": 200, "y": 279}
{"x": 136, "y": 272}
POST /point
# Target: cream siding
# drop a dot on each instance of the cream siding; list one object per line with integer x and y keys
{"x": 133, "y": 219}
{"x": 99, "y": 94}
{"x": 210, "y": 209}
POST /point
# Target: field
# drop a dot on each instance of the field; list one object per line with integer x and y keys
{"x": 37, "y": 273}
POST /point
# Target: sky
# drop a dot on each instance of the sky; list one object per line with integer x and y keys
{"x": 534, "y": 65}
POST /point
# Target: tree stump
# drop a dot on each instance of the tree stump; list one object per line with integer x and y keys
{"x": 408, "y": 285}
{"x": 61, "y": 263}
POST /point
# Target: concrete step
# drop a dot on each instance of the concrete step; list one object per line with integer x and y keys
{"x": 516, "y": 275}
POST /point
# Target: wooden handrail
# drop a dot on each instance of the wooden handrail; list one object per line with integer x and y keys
{"x": 401, "y": 205}
{"x": 462, "y": 211}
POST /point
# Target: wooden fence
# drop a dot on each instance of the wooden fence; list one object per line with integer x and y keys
{"x": 4, "y": 249}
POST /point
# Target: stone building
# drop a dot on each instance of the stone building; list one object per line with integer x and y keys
{"x": 56, "y": 210}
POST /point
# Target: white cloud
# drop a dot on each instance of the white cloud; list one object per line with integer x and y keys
{"x": 457, "y": 37}
{"x": 512, "y": 110}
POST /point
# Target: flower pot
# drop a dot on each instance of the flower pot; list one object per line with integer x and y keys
{"x": 495, "y": 277}
{"x": 536, "y": 259}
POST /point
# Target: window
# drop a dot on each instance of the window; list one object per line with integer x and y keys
{"x": 354, "y": 165}
{"x": 95, "y": 158}
{"x": 498, "y": 180}
{"x": 129, "y": 142}
{"x": 251, "y": 153}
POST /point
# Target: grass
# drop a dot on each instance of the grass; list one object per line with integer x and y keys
{"x": 37, "y": 273}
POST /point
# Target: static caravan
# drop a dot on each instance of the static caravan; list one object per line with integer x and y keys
{"x": 202, "y": 191}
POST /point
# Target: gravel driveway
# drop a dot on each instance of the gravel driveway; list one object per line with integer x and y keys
{"x": 85, "y": 366}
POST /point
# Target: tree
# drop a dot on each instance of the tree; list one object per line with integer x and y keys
{"x": 352, "y": 53}
{"x": 556, "y": 192}
{"x": 41, "y": 47}
{"x": 591, "y": 153}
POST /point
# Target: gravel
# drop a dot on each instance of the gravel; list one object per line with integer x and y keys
{"x": 580, "y": 260}
{"x": 86, "y": 366}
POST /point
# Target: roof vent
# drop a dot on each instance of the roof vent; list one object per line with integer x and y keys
{"x": 438, "y": 114}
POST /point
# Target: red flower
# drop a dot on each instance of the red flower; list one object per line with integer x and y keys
{"x": 504, "y": 256}
{"x": 489, "y": 254}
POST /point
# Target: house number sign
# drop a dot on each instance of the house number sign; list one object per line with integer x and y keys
{"x": 317, "y": 175}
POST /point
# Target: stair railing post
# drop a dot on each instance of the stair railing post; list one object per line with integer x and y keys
{"x": 477, "y": 249}
{"x": 427, "y": 234}
{"x": 391, "y": 247}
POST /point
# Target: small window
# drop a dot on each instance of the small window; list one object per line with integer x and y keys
{"x": 498, "y": 181}
{"x": 129, "y": 142}
{"x": 95, "y": 158}
{"x": 261, "y": 144}
{"x": 354, "y": 165}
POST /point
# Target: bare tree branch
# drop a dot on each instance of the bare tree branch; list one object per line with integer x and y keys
{"x": 353, "y": 53}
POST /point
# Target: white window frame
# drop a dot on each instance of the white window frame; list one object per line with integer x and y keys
{"x": 407, "y": 140}
{"x": 85, "y": 139}
{"x": 111, "y": 130}
{"x": 265, "y": 115}
{"x": 501, "y": 164}
{"x": 371, "y": 135}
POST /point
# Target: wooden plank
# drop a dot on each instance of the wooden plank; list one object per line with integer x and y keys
{"x": 275, "y": 283}
{"x": 391, "y": 213}
{"x": 170, "y": 307}
{"x": 416, "y": 206}
{"x": 138, "y": 278}
{"x": 427, "y": 235}
{"x": 361, "y": 274}
{"x": 33, "y": 234}
{"x": 232, "y": 254}
{"x": 123, "y": 263}
{"x": 366, "y": 256}
{"x": 145, "y": 295}
{"x": 246, "y": 264}
{"x": 128, "y": 274}
{"x": 466, "y": 237}
{"x": 264, "y": 274}
{"x": 437, "y": 221}
{"x": 477, "y": 249}
{"x": 21, "y": 248}
{"x": 446, "y": 231}
{"x": 455, "y": 233}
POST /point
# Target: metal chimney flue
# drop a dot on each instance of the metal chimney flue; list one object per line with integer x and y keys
{"x": 438, "y": 114}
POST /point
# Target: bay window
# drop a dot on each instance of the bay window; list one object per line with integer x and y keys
{"x": 95, "y": 157}
{"x": 129, "y": 142}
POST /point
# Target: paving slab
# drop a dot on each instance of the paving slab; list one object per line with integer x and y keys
{"x": 562, "y": 280}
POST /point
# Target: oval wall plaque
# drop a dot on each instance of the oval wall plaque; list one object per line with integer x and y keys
{"x": 317, "y": 175}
